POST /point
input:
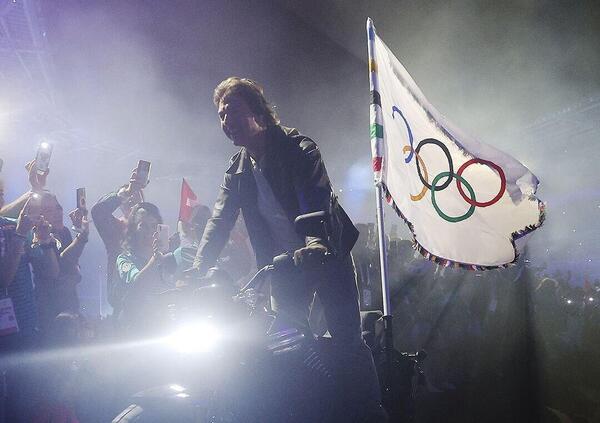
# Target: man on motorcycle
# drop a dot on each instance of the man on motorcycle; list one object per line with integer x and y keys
{"x": 277, "y": 175}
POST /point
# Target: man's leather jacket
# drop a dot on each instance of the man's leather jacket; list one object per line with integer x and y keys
{"x": 297, "y": 175}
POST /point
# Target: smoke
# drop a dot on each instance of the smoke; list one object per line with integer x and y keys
{"x": 499, "y": 71}
{"x": 134, "y": 80}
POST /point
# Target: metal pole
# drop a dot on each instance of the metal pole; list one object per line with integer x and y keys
{"x": 376, "y": 147}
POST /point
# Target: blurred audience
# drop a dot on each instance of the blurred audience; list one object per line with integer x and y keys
{"x": 518, "y": 344}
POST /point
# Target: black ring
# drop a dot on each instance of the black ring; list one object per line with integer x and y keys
{"x": 446, "y": 152}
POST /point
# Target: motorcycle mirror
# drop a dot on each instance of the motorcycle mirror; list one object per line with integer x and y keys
{"x": 313, "y": 224}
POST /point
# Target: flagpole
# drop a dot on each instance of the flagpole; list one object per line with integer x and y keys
{"x": 377, "y": 153}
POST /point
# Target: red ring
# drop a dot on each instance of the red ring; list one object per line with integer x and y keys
{"x": 502, "y": 182}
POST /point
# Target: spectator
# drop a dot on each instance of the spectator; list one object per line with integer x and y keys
{"x": 57, "y": 293}
{"x": 15, "y": 241}
{"x": 140, "y": 266}
{"x": 112, "y": 230}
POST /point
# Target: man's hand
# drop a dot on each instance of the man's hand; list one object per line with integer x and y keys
{"x": 157, "y": 256}
{"x": 37, "y": 181}
{"x": 79, "y": 220}
{"x": 85, "y": 226}
{"x": 312, "y": 255}
{"x": 134, "y": 187}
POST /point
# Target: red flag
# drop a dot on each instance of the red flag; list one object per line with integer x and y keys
{"x": 187, "y": 202}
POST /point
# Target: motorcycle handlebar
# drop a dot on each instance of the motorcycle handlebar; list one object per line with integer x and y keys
{"x": 280, "y": 262}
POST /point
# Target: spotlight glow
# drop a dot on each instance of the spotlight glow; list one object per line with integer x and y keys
{"x": 177, "y": 388}
{"x": 197, "y": 337}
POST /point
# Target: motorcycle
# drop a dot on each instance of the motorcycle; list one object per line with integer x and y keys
{"x": 230, "y": 358}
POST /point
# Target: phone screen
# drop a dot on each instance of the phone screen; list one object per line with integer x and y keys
{"x": 143, "y": 171}
{"x": 42, "y": 158}
{"x": 81, "y": 203}
{"x": 163, "y": 237}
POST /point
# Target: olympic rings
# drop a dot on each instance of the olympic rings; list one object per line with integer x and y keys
{"x": 446, "y": 152}
{"x": 502, "y": 182}
{"x": 469, "y": 188}
{"x": 424, "y": 190}
{"x": 410, "y": 135}
{"x": 433, "y": 187}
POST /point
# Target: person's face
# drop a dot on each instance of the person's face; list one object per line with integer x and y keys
{"x": 238, "y": 122}
{"x": 126, "y": 207}
{"x": 146, "y": 226}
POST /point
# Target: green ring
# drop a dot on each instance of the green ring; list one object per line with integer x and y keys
{"x": 437, "y": 209}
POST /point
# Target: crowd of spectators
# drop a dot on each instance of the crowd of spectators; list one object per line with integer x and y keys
{"x": 39, "y": 303}
{"x": 516, "y": 344}
{"x": 520, "y": 344}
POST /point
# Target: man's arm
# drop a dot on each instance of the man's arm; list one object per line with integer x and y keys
{"x": 108, "y": 226}
{"x": 132, "y": 276}
{"x": 15, "y": 242}
{"x": 314, "y": 193}
{"x": 219, "y": 226}
{"x": 311, "y": 181}
{"x": 14, "y": 208}
{"x": 37, "y": 183}
{"x": 69, "y": 257}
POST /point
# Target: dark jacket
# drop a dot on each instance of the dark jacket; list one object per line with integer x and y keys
{"x": 297, "y": 175}
{"x": 111, "y": 230}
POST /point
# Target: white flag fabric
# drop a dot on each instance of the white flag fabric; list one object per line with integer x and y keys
{"x": 466, "y": 203}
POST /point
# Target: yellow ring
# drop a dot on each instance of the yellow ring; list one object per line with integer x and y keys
{"x": 419, "y": 196}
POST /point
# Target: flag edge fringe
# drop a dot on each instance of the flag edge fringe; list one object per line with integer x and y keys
{"x": 444, "y": 262}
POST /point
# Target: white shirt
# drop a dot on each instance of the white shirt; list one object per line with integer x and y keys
{"x": 282, "y": 230}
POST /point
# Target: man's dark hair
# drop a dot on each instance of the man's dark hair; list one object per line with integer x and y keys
{"x": 253, "y": 95}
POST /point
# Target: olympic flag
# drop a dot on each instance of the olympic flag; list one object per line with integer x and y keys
{"x": 466, "y": 203}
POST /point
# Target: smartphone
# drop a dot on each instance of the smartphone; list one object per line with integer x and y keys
{"x": 143, "y": 171}
{"x": 163, "y": 237}
{"x": 81, "y": 204}
{"x": 42, "y": 158}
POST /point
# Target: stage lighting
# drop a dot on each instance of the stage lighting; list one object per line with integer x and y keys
{"x": 196, "y": 337}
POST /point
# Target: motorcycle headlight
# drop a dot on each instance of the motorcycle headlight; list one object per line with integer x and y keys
{"x": 194, "y": 338}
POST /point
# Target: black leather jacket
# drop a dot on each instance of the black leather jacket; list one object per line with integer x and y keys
{"x": 297, "y": 175}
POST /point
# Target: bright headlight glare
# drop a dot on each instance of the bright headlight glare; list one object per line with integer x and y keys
{"x": 177, "y": 388}
{"x": 197, "y": 337}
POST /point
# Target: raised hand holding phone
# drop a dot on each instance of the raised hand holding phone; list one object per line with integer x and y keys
{"x": 81, "y": 199}
{"x": 79, "y": 215}
{"x": 37, "y": 181}
{"x": 142, "y": 173}
{"x": 42, "y": 158}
